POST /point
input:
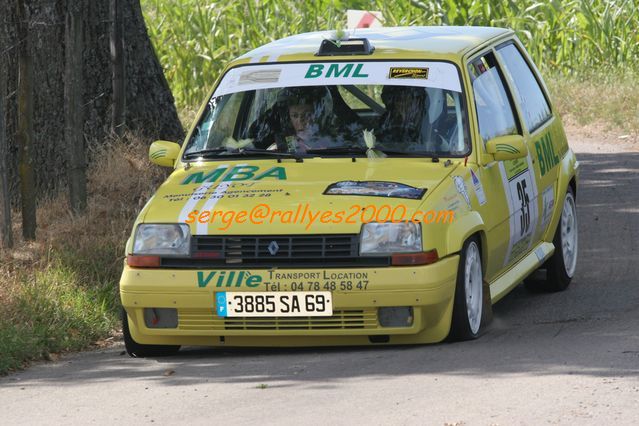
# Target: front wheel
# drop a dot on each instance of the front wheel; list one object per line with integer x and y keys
{"x": 469, "y": 294}
{"x": 138, "y": 350}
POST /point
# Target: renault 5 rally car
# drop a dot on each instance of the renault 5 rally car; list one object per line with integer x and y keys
{"x": 374, "y": 134}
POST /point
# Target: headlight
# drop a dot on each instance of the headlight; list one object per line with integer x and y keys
{"x": 389, "y": 238}
{"x": 162, "y": 239}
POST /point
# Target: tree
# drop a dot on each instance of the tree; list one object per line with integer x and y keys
{"x": 25, "y": 124}
{"x": 73, "y": 112}
{"x": 117, "y": 64}
{"x": 149, "y": 109}
{"x": 6, "y": 237}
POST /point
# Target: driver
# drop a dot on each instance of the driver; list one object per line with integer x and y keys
{"x": 403, "y": 120}
{"x": 308, "y": 117}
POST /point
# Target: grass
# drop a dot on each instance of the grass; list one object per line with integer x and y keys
{"x": 51, "y": 311}
{"x": 194, "y": 39}
{"x": 609, "y": 101}
{"x": 61, "y": 293}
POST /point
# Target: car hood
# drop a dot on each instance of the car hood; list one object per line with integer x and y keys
{"x": 298, "y": 187}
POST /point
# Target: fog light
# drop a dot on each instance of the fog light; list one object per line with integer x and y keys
{"x": 398, "y": 316}
{"x": 160, "y": 317}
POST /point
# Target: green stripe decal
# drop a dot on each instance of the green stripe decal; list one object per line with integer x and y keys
{"x": 507, "y": 148}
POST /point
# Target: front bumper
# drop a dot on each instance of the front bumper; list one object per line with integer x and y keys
{"x": 357, "y": 295}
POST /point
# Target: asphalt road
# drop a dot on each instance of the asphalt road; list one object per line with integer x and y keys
{"x": 568, "y": 358}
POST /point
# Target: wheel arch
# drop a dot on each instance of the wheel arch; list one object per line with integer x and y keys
{"x": 573, "y": 185}
{"x": 568, "y": 178}
{"x": 466, "y": 227}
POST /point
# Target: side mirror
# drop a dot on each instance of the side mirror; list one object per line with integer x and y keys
{"x": 164, "y": 153}
{"x": 508, "y": 147}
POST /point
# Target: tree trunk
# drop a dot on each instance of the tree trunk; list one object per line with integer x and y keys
{"x": 6, "y": 236}
{"x": 117, "y": 64}
{"x": 76, "y": 168}
{"x": 25, "y": 125}
{"x": 149, "y": 109}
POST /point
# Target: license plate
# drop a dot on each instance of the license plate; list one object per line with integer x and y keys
{"x": 274, "y": 304}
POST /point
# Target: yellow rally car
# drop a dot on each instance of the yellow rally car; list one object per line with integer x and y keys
{"x": 383, "y": 187}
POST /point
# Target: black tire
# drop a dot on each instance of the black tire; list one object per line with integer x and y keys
{"x": 462, "y": 327}
{"x": 138, "y": 350}
{"x": 557, "y": 277}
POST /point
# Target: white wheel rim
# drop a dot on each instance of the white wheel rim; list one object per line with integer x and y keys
{"x": 473, "y": 286}
{"x": 569, "y": 235}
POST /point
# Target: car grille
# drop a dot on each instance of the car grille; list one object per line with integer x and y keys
{"x": 206, "y": 320}
{"x": 337, "y": 250}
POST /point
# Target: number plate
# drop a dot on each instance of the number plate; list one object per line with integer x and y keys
{"x": 274, "y": 304}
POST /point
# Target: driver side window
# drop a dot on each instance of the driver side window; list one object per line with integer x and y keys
{"x": 494, "y": 107}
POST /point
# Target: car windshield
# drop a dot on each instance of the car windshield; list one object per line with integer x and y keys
{"x": 405, "y": 116}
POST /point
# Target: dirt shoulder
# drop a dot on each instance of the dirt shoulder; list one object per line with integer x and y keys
{"x": 600, "y": 139}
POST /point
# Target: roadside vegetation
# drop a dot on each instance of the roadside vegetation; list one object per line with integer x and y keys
{"x": 587, "y": 50}
{"x": 60, "y": 293}
{"x": 606, "y": 101}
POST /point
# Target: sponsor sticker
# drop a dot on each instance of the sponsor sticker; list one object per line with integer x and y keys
{"x": 546, "y": 155}
{"x": 515, "y": 167}
{"x": 400, "y": 72}
{"x": 548, "y": 203}
{"x": 260, "y": 76}
{"x": 275, "y": 281}
{"x": 479, "y": 188}
{"x": 461, "y": 188}
{"x": 242, "y": 172}
{"x": 375, "y": 189}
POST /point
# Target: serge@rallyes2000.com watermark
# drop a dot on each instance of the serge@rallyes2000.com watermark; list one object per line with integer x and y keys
{"x": 262, "y": 214}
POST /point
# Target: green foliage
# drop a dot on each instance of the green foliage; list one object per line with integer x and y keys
{"x": 566, "y": 36}
{"x": 195, "y": 38}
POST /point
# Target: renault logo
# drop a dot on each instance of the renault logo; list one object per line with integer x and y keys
{"x": 273, "y": 248}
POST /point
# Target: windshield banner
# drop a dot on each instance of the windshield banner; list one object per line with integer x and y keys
{"x": 440, "y": 75}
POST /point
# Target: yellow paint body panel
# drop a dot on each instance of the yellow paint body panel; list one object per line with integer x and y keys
{"x": 428, "y": 289}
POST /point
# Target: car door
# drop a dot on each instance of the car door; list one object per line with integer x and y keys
{"x": 543, "y": 132}
{"x": 508, "y": 185}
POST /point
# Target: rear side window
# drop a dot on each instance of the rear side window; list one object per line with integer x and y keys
{"x": 494, "y": 109}
{"x": 528, "y": 93}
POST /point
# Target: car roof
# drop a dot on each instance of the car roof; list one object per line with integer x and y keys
{"x": 450, "y": 42}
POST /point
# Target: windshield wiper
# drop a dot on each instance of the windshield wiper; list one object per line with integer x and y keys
{"x": 355, "y": 150}
{"x": 250, "y": 151}
{"x": 338, "y": 150}
{"x": 204, "y": 153}
{"x": 214, "y": 152}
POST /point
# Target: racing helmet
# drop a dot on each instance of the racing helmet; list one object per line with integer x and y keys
{"x": 407, "y": 102}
